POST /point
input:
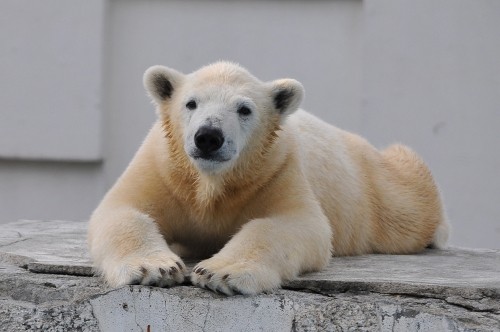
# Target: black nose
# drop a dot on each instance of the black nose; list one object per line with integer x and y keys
{"x": 208, "y": 139}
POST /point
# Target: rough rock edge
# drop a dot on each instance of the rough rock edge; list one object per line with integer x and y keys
{"x": 478, "y": 300}
{"x": 45, "y": 302}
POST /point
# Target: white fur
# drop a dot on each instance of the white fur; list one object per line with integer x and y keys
{"x": 219, "y": 111}
{"x": 283, "y": 192}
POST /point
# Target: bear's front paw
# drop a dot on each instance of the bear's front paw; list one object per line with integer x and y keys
{"x": 159, "y": 269}
{"x": 235, "y": 277}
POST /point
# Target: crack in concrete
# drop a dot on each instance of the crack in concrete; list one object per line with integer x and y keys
{"x": 254, "y": 310}
{"x": 92, "y": 311}
{"x": 471, "y": 308}
{"x": 134, "y": 297}
{"x": 14, "y": 242}
{"x": 209, "y": 307}
{"x": 187, "y": 318}
{"x": 294, "y": 319}
{"x": 452, "y": 303}
{"x": 407, "y": 295}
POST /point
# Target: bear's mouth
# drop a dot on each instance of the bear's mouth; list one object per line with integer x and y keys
{"x": 216, "y": 158}
{"x": 209, "y": 163}
{"x": 209, "y": 160}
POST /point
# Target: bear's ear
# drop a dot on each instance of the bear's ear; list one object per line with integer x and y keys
{"x": 160, "y": 82}
{"x": 286, "y": 94}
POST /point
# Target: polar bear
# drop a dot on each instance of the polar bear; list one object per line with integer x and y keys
{"x": 235, "y": 174}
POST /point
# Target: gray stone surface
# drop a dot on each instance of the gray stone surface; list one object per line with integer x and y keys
{"x": 47, "y": 243}
{"x": 469, "y": 277}
{"x": 46, "y": 284}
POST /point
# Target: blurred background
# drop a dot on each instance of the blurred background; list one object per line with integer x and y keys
{"x": 73, "y": 110}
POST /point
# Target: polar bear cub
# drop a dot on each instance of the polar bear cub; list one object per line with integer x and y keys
{"x": 234, "y": 174}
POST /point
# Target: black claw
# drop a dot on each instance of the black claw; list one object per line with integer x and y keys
{"x": 196, "y": 269}
{"x": 224, "y": 278}
{"x": 173, "y": 270}
{"x": 210, "y": 276}
{"x": 143, "y": 270}
{"x": 219, "y": 291}
{"x": 135, "y": 282}
{"x": 236, "y": 291}
{"x": 162, "y": 271}
{"x": 213, "y": 289}
{"x": 203, "y": 271}
{"x": 179, "y": 265}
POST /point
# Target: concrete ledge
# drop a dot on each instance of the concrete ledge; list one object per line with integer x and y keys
{"x": 46, "y": 284}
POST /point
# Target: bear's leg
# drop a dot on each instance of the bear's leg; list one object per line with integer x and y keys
{"x": 127, "y": 248}
{"x": 265, "y": 253}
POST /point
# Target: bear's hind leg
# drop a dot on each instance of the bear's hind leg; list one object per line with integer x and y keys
{"x": 410, "y": 214}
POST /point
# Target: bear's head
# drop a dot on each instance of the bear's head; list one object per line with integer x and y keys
{"x": 221, "y": 112}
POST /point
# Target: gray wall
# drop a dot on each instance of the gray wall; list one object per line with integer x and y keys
{"x": 425, "y": 73}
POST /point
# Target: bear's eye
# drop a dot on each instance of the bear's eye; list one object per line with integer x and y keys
{"x": 191, "y": 105}
{"x": 244, "y": 110}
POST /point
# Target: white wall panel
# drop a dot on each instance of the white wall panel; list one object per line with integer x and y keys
{"x": 432, "y": 81}
{"x": 50, "y": 79}
{"x": 317, "y": 42}
{"x": 425, "y": 73}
